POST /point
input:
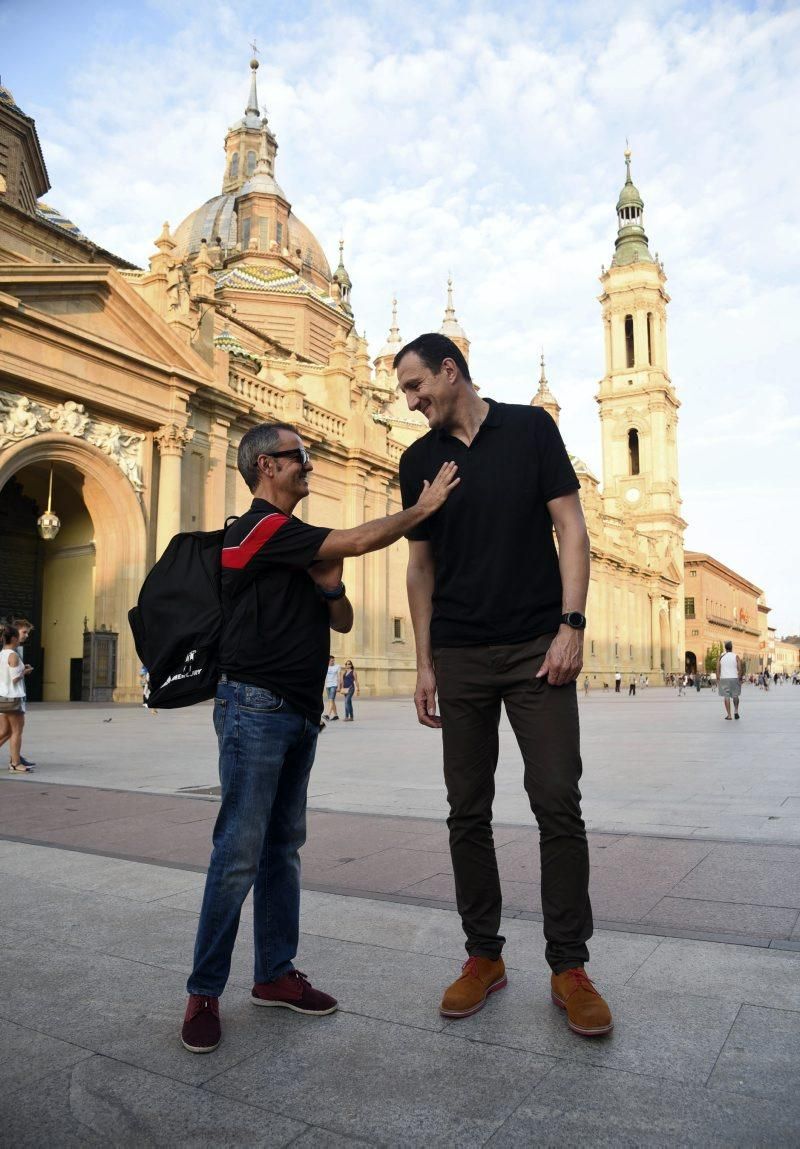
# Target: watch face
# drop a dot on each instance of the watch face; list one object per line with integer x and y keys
{"x": 575, "y": 618}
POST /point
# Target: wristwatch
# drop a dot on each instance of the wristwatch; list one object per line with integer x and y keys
{"x": 575, "y": 619}
{"x": 333, "y": 595}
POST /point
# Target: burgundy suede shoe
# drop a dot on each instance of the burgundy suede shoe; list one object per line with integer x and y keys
{"x": 294, "y": 991}
{"x": 201, "y": 1031}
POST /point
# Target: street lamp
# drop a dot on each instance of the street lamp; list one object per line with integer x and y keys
{"x": 49, "y": 524}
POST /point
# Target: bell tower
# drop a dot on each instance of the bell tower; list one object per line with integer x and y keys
{"x": 638, "y": 404}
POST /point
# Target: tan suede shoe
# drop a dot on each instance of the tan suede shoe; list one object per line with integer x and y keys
{"x": 480, "y": 976}
{"x": 587, "y": 1013}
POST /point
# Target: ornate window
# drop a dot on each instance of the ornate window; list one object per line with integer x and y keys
{"x": 650, "y": 338}
{"x": 251, "y": 163}
{"x": 633, "y": 451}
{"x": 688, "y": 607}
{"x": 234, "y": 168}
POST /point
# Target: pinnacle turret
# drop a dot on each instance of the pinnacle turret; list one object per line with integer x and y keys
{"x": 450, "y": 325}
{"x": 344, "y": 281}
{"x": 544, "y": 397}
{"x": 631, "y": 244}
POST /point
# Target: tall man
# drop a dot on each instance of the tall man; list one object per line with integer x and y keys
{"x": 730, "y": 673}
{"x": 281, "y": 594}
{"x": 498, "y": 618}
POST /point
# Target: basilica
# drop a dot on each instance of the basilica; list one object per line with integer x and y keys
{"x": 124, "y": 393}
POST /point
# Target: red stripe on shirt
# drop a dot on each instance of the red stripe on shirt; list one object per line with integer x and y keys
{"x": 236, "y": 558}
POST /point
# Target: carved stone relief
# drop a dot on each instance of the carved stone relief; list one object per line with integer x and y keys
{"x": 22, "y": 418}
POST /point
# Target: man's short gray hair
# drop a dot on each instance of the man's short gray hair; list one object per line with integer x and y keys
{"x": 260, "y": 440}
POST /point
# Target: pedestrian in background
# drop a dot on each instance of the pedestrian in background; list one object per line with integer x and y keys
{"x": 12, "y": 696}
{"x": 25, "y": 628}
{"x": 349, "y": 687}
{"x": 333, "y": 681}
{"x": 729, "y": 676}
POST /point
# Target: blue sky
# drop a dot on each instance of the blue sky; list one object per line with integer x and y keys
{"x": 486, "y": 139}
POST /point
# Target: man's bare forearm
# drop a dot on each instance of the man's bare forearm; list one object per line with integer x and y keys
{"x": 419, "y": 584}
{"x": 371, "y": 536}
{"x": 573, "y": 563}
{"x": 340, "y": 615}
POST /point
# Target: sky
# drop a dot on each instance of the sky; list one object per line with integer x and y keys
{"x": 485, "y": 140}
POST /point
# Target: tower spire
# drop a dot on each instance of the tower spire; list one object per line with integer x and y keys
{"x": 252, "y": 102}
{"x": 544, "y": 397}
{"x": 631, "y": 244}
{"x": 450, "y": 326}
{"x": 341, "y": 277}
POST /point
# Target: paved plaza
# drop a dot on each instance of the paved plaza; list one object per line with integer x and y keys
{"x": 695, "y": 845}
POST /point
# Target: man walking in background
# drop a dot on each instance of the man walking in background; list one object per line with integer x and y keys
{"x": 498, "y": 619}
{"x": 729, "y": 676}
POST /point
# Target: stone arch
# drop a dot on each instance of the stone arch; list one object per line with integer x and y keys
{"x": 120, "y": 535}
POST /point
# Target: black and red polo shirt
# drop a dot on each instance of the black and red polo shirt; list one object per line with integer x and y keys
{"x": 276, "y": 631}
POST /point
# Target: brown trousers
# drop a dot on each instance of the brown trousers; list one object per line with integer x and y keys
{"x": 472, "y": 682}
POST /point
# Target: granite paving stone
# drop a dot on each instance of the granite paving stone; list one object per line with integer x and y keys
{"x": 739, "y": 973}
{"x": 104, "y": 1102}
{"x": 605, "y": 1109}
{"x": 389, "y": 1083}
{"x": 722, "y": 917}
{"x": 376, "y": 982}
{"x": 760, "y": 875}
{"x": 28, "y": 1055}
{"x": 762, "y": 1056}
{"x": 387, "y": 871}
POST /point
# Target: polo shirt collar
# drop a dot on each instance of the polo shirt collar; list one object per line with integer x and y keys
{"x": 494, "y": 418}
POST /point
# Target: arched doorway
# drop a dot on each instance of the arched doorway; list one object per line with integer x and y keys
{"x": 690, "y": 662}
{"x": 96, "y": 563}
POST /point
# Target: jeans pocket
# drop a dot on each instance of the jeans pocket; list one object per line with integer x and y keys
{"x": 220, "y": 707}
{"x": 261, "y": 700}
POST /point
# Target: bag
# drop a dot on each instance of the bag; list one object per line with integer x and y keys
{"x": 177, "y": 621}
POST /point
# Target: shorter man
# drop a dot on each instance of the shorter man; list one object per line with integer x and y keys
{"x": 333, "y": 676}
{"x": 729, "y": 676}
{"x": 617, "y": 682}
{"x": 282, "y": 594}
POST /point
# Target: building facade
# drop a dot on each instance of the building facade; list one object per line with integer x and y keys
{"x": 719, "y": 605}
{"x": 124, "y": 393}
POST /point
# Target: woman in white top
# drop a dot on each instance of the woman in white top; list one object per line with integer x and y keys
{"x": 729, "y": 676}
{"x": 12, "y": 693}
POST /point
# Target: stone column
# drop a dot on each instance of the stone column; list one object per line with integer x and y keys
{"x": 655, "y": 632}
{"x": 172, "y": 440}
{"x": 217, "y": 472}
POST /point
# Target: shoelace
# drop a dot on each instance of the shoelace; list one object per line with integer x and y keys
{"x": 582, "y": 980}
{"x": 201, "y": 1003}
{"x": 470, "y": 968}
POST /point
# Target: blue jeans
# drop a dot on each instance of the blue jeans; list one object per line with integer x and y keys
{"x": 348, "y": 702}
{"x": 266, "y": 750}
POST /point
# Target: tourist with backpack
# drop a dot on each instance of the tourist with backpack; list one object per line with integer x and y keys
{"x": 281, "y": 594}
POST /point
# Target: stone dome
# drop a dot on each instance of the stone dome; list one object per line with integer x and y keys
{"x": 217, "y": 217}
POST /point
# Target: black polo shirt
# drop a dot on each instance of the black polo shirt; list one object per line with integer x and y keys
{"x": 276, "y": 629}
{"x": 497, "y": 576}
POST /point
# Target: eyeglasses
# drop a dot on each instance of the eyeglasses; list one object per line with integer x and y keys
{"x": 300, "y": 454}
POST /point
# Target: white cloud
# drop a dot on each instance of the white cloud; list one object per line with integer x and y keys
{"x": 486, "y": 139}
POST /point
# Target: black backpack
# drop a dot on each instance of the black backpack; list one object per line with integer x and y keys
{"x": 177, "y": 621}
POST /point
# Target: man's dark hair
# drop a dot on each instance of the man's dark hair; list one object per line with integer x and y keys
{"x": 728, "y": 644}
{"x": 433, "y": 349}
{"x": 260, "y": 440}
